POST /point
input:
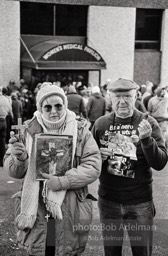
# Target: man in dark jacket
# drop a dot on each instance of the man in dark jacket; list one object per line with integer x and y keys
{"x": 131, "y": 144}
{"x": 16, "y": 107}
{"x": 96, "y": 106}
{"x": 75, "y": 102}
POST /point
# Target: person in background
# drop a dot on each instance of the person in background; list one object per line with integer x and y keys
{"x": 65, "y": 84}
{"x": 148, "y": 91}
{"x": 166, "y": 88}
{"x": 138, "y": 102}
{"x": 76, "y": 102}
{"x": 23, "y": 85}
{"x": 64, "y": 198}
{"x": 16, "y": 107}
{"x": 5, "y": 93}
{"x": 79, "y": 87}
{"x": 158, "y": 105}
{"x": 28, "y": 106}
{"x": 86, "y": 95}
{"x": 96, "y": 106}
{"x": 90, "y": 86}
{"x": 5, "y": 110}
{"x": 12, "y": 87}
{"x": 106, "y": 95}
{"x": 9, "y": 119}
{"x": 147, "y": 98}
{"x": 142, "y": 88}
{"x": 37, "y": 88}
{"x": 131, "y": 145}
{"x": 158, "y": 108}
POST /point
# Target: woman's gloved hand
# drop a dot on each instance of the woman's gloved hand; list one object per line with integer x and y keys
{"x": 53, "y": 182}
{"x": 17, "y": 148}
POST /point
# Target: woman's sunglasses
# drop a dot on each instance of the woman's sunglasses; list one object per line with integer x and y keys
{"x": 48, "y": 108}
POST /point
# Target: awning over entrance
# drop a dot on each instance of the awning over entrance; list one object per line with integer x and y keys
{"x": 55, "y": 53}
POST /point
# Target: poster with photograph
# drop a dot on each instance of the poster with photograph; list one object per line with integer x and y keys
{"x": 53, "y": 154}
{"x": 122, "y": 145}
{"x": 123, "y": 155}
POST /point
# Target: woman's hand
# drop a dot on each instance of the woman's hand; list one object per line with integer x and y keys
{"x": 53, "y": 182}
{"x": 17, "y": 148}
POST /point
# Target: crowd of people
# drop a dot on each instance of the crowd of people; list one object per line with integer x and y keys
{"x": 155, "y": 101}
{"x": 125, "y": 143}
{"x": 89, "y": 102}
{"x": 16, "y": 101}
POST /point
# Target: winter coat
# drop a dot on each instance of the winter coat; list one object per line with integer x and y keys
{"x": 76, "y": 102}
{"x": 158, "y": 108}
{"x": 5, "y": 107}
{"x": 17, "y": 109}
{"x": 96, "y": 107}
{"x": 140, "y": 106}
{"x": 70, "y": 238}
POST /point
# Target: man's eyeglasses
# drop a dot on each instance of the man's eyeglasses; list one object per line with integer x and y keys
{"x": 48, "y": 108}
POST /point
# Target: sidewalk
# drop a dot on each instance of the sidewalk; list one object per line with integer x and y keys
{"x": 7, "y": 232}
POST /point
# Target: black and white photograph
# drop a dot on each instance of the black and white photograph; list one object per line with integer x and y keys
{"x": 83, "y": 128}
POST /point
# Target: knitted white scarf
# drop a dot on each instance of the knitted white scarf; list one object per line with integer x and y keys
{"x": 30, "y": 192}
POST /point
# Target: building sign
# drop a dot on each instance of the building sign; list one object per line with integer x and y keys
{"x": 72, "y": 46}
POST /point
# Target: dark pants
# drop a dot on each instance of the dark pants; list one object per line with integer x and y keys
{"x": 2, "y": 139}
{"x": 137, "y": 219}
{"x": 50, "y": 251}
{"x": 8, "y": 128}
{"x": 50, "y": 242}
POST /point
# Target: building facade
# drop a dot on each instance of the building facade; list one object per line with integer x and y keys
{"x": 126, "y": 39}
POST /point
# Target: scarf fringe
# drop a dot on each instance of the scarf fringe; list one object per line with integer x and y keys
{"x": 55, "y": 210}
{"x": 24, "y": 221}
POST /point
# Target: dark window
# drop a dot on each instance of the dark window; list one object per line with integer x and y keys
{"x": 71, "y": 20}
{"x": 148, "y": 28}
{"x": 60, "y": 75}
{"x": 49, "y": 19}
{"x": 36, "y": 19}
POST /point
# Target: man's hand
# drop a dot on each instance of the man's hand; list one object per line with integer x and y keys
{"x": 105, "y": 153}
{"x": 144, "y": 129}
{"x": 17, "y": 148}
{"x": 53, "y": 182}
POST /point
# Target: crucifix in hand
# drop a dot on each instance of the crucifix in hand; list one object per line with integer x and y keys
{"x": 20, "y": 127}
